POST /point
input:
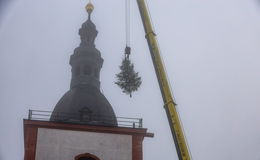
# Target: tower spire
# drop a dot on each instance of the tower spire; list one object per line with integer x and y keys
{"x": 84, "y": 102}
{"x": 88, "y": 30}
{"x": 89, "y": 8}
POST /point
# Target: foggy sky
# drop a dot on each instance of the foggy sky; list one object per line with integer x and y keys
{"x": 211, "y": 53}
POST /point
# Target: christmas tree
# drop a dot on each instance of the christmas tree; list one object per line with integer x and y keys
{"x": 128, "y": 80}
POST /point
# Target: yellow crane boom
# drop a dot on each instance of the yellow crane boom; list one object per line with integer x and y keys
{"x": 170, "y": 106}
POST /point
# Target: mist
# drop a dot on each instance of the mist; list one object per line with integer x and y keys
{"x": 211, "y": 54}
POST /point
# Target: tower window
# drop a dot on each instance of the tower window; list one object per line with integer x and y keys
{"x": 96, "y": 73}
{"x": 87, "y": 70}
{"x": 77, "y": 70}
{"x": 85, "y": 114}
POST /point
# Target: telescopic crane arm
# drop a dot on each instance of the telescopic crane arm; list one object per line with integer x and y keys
{"x": 170, "y": 106}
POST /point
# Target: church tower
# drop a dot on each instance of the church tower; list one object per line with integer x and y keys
{"x": 83, "y": 125}
{"x": 84, "y": 102}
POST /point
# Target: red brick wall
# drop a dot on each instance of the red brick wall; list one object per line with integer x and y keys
{"x": 137, "y": 151}
{"x": 30, "y": 140}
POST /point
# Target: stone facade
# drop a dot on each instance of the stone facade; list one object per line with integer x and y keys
{"x": 55, "y": 144}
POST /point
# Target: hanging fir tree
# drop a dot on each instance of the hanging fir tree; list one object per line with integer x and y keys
{"x": 128, "y": 80}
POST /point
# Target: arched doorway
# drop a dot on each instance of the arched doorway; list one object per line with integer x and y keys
{"x": 86, "y": 156}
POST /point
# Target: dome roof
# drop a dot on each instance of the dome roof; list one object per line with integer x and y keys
{"x": 84, "y": 104}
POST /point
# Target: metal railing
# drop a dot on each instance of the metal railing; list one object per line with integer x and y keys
{"x": 90, "y": 119}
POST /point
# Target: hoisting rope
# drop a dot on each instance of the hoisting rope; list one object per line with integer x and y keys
{"x": 127, "y": 27}
{"x": 128, "y": 80}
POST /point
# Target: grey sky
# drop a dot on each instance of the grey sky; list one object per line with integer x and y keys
{"x": 211, "y": 52}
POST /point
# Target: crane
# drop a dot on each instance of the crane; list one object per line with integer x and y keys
{"x": 169, "y": 104}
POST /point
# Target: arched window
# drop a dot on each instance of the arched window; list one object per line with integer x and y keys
{"x": 83, "y": 158}
{"x": 87, "y": 70}
{"x": 86, "y": 156}
{"x": 96, "y": 73}
{"x": 77, "y": 70}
